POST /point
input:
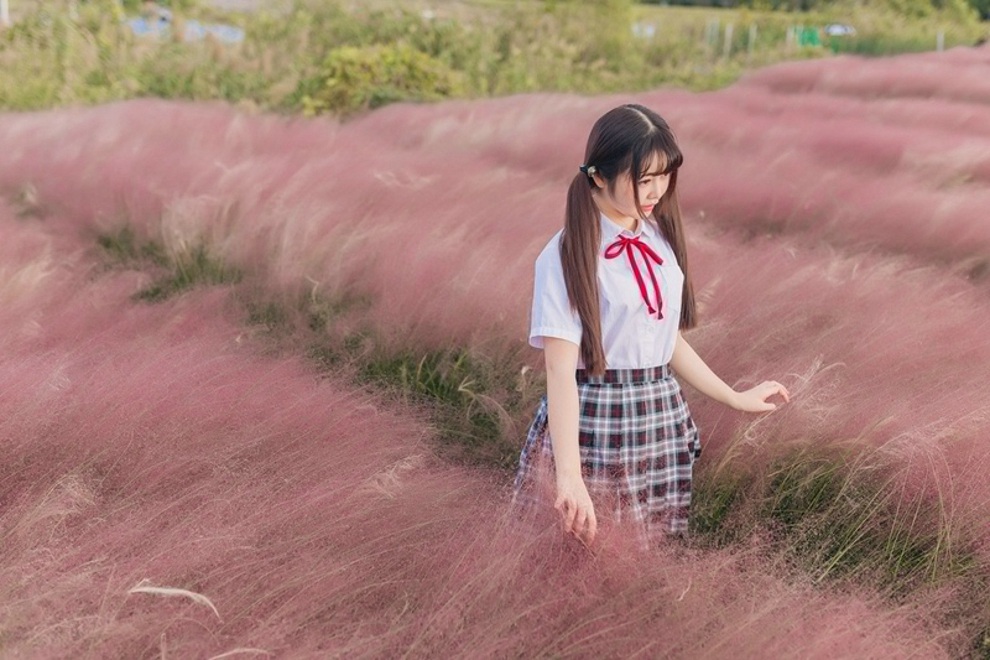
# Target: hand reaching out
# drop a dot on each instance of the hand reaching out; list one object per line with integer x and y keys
{"x": 755, "y": 398}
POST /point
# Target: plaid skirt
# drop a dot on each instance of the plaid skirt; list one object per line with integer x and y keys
{"x": 638, "y": 444}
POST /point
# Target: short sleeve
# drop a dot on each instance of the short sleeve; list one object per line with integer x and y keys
{"x": 552, "y": 314}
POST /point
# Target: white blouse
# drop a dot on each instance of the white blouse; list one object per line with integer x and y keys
{"x": 632, "y": 336}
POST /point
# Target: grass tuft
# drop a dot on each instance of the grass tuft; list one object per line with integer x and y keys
{"x": 838, "y": 517}
{"x": 457, "y": 387}
{"x": 197, "y": 267}
{"x": 175, "y": 273}
{"x": 123, "y": 248}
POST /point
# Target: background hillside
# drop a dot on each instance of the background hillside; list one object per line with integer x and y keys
{"x": 317, "y": 57}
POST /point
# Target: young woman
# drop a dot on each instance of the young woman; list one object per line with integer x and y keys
{"x": 611, "y": 296}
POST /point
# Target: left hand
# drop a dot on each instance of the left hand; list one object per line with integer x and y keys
{"x": 755, "y": 399}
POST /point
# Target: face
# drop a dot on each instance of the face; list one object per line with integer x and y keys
{"x": 620, "y": 206}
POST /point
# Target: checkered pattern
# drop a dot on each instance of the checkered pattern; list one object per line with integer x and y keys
{"x": 638, "y": 444}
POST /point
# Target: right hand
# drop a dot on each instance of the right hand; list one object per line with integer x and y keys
{"x": 576, "y": 510}
{"x": 755, "y": 398}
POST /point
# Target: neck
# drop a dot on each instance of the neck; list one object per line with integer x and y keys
{"x": 624, "y": 221}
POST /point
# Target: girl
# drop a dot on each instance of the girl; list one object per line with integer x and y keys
{"x": 612, "y": 294}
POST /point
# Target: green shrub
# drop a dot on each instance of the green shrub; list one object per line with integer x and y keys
{"x": 198, "y": 72}
{"x": 353, "y": 79}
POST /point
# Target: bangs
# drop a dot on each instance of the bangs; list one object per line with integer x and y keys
{"x": 658, "y": 148}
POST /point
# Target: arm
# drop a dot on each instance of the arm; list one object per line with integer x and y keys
{"x": 699, "y": 375}
{"x": 573, "y": 500}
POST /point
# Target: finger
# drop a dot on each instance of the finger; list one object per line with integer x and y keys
{"x": 763, "y": 405}
{"x": 592, "y": 526}
{"x": 762, "y": 397}
{"x": 579, "y": 521}
{"x": 564, "y": 506}
{"x": 781, "y": 390}
{"x": 774, "y": 387}
{"x": 570, "y": 510}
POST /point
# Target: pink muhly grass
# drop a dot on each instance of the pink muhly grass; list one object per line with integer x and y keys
{"x": 321, "y": 203}
{"x": 347, "y": 222}
{"x": 340, "y": 223}
{"x": 893, "y": 390}
{"x": 154, "y": 443}
{"x": 278, "y": 186}
{"x": 954, "y": 75}
{"x": 152, "y": 446}
{"x": 858, "y": 179}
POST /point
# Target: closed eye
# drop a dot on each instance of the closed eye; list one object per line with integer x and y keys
{"x": 649, "y": 179}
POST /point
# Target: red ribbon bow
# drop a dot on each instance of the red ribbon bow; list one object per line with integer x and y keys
{"x": 629, "y": 245}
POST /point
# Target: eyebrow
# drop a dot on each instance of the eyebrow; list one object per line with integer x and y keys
{"x": 654, "y": 173}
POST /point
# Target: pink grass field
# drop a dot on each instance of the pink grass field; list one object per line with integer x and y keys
{"x": 152, "y": 445}
{"x": 837, "y": 217}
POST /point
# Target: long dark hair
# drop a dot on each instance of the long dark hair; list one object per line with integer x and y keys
{"x": 623, "y": 140}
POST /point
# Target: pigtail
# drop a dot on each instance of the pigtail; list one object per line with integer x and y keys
{"x": 668, "y": 217}
{"x": 579, "y": 256}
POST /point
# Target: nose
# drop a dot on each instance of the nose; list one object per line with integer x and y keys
{"x": 656, "y": 189}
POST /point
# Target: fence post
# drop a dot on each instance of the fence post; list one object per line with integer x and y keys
{"x": 940, "y": 41}
{"x": 711, "y": 31}
{"x": 727, "y": 44}
{"x": 4, "y": 13}
{"x": 752, "y": 40}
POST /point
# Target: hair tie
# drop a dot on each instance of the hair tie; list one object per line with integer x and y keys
{"x": 588, "y": 169}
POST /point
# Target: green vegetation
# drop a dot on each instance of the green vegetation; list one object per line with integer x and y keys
{"x": 317, "y": 57}
{"x": 189, "y": 269}
{"x": 836, "y": 516}
{"x": 905, "y": 7}
{"x": 353, "y": 79}
{"x": 174, "y": 271}
{"x": 457, "y": 389}
{"x": 123, "y": 248}
{"x": 473, "y": 401}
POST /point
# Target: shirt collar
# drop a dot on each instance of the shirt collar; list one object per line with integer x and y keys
{"x": 611, "y": 230}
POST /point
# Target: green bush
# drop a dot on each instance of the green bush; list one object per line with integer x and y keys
{"x": 198, "y": 72}
{"x": 353, "y": 79}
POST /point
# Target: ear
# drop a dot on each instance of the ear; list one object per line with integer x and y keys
{"x": 598, "y": 180}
